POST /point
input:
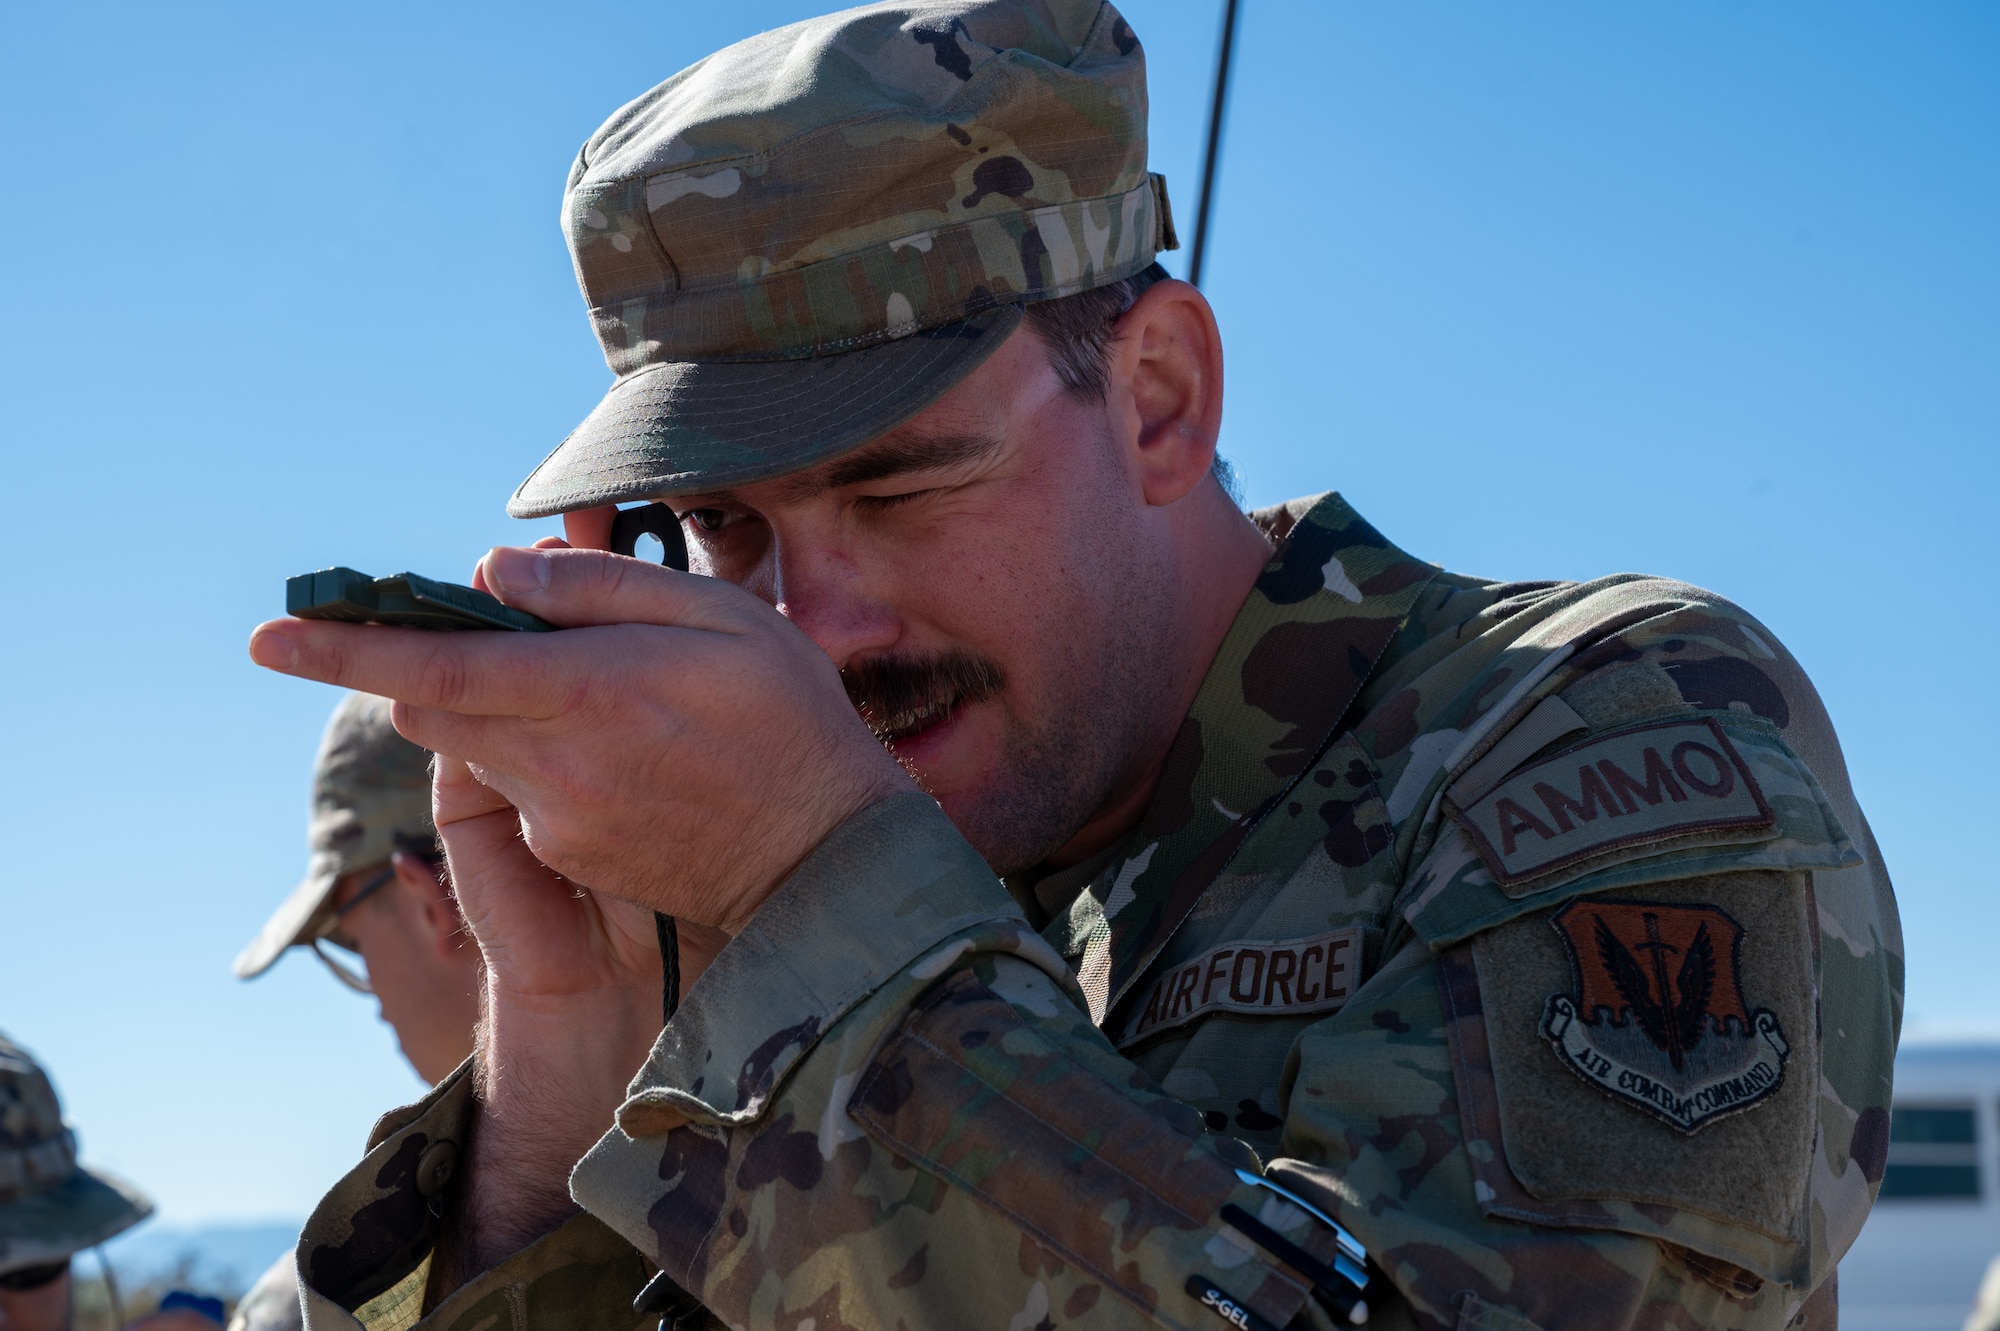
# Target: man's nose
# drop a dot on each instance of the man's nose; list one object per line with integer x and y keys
{"x": 828, "y": 595}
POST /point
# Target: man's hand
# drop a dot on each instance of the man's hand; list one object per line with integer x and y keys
{"x": 572, "y": 1002}
{"x": 544, "y": 940}
{"x": 680, "y": 746}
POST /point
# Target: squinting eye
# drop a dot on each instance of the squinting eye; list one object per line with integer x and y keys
{"x": 879, "y": 502}
{"x": 708, "y": 519}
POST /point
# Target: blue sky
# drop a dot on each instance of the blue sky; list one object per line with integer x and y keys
{"x": 1558, "y": 289}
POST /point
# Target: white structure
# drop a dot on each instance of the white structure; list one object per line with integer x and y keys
{"x": 1919, "y": 1260}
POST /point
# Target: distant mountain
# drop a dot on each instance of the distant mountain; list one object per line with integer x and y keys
{"x": 221, "y": 1259}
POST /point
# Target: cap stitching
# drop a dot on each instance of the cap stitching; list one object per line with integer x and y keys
{"x": 1145, "y": 253}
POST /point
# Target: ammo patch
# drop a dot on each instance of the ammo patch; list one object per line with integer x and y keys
{"x": 1630, "y": 788}
{"x": 1261, "y": 978}
{"x": 1657, "y": 1017}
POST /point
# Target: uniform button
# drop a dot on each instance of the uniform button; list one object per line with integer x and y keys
{"x": 435, "y": 1167}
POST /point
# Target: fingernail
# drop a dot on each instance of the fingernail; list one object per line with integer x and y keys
{"x": 273, "y": 650}
{"x": 515, "y": 572}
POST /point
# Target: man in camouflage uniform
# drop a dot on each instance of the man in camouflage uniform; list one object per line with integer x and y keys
{"x": 373, "y": 889}
{"x": 51, "y": 1207}
{"x": 1265, "y": 881}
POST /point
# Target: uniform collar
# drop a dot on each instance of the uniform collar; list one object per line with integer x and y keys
{"x": 1320, "y": 617}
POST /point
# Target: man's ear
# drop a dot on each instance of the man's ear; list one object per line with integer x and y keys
{"x": 442, "y": 925}
{"x": 1165, "y": 388}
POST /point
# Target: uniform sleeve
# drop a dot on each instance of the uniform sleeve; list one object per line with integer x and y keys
{"x": 1626, "y": 1061}
{"x": 885, "y": 1105}
{"x": 1505, "y": 1177}
{"x": 364, "y": 1256}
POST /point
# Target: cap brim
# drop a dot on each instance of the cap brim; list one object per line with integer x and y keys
{"x": 690, "y": 427}
{"x": 49, "y": 1226}
{"x": 287, "y": 924}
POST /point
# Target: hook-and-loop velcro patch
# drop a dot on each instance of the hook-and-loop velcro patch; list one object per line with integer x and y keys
{"x": 1652, "y": 783}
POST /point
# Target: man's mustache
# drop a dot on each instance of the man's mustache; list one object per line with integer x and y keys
{"x": 900, "y": 695}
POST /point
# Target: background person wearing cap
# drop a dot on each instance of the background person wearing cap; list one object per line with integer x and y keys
{"x": 1530, "y": 931}
{"x": 373, "y": 890}
{"x": 51, "y": 1207}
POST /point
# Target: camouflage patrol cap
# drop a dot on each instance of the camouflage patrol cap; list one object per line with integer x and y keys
{"x": 799, "y": 242}
{"x": 371, "y": 798}
{"x": 50, "y": 1206}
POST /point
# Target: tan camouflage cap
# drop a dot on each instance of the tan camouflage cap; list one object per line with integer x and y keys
{"x": 50, "y": 1206}
{"x": 371, "y": 798}
{"x": 799, "y": 242}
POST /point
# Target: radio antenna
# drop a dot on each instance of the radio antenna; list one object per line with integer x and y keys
{"x": 1215, "y": 110}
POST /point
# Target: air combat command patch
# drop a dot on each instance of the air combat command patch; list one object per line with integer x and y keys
{"x": 1658, "y": 1018}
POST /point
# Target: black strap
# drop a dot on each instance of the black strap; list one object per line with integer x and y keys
{"x": 670, "y": 966}
{"x": 1334, "y": 1290}
{"x": 661, "y": 1295}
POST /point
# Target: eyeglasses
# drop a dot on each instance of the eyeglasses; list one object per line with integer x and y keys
{"x": 25, "y": 1278}
{"x": 329, "y": 932}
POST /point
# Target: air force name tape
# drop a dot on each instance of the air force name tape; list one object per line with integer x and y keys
{"x": 1260, "y": 978}
{"x": 1633, "y": 787}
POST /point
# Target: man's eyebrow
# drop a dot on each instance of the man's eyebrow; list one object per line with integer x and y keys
{"x": 893, "y": 457}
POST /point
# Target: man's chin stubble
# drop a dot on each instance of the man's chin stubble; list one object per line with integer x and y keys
{"x": 1015, "y": 822}
{"x": 1048, "y": 787}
